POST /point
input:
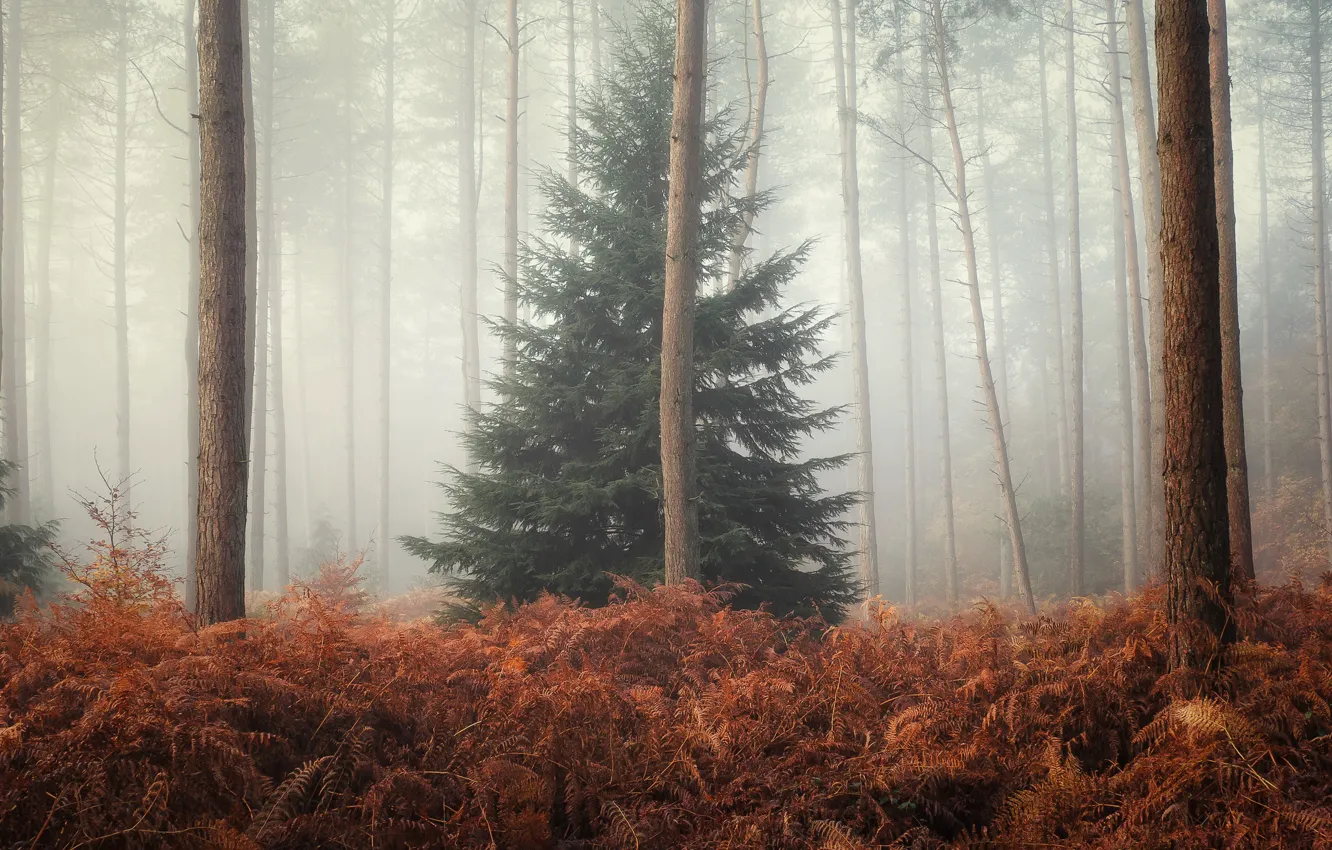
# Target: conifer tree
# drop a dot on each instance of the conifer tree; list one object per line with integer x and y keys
{"x": 566, "y": 493}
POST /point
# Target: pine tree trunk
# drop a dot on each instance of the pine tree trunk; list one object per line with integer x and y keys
{"x": 1141, "y": 362}
{"x": 1237, "y": 462}
{"x": 909, "y": 565}
{"x": 45, "y": 504}
{"x": 511, "y": 189}
{"x": 264, "y": 268}
{"x": 996, "y": 310}
{"x": 282, "y": 530}
{"x": 1020, "y": 572}
{"x": 758, "y": 109}
{"x": 121, "y": 216}
{"x": 1052, "y": 258}
{"x": 845, "y": 73}
{"x": 192, "y": 312}
{"x": 1319, "y": 234}
{"x": 1197, "y": 537}
{"x": 15, "y": 369}
{"x": 1076, "y": 527}
{"x": 940, "y": 340}
{"x": 1127, "y": 479}
{"x": 220, "y": 556}
{"x": 386, "y": 294}
{"x": 467, "y": 215}
{"x": 307, "y": 468}
{"x": 678, "y": 431}
{"x": 1265, "y": 295}
{"x": 1144, "y": 119}
{"x": 349, "y": 308}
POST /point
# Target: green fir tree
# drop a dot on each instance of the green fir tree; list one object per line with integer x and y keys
{"x": 567, "y": 488}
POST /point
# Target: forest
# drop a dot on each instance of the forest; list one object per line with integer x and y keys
{"x": 616, "y": 424}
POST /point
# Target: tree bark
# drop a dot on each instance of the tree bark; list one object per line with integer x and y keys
{"x": 467, "y": 215}
{"x": 192, "y": 312}
{"x": 1127, "y": 478}
{"x": 386, "y": 294}
{"x": 757, "y": 112}
{"x": 15, "y": 366}
{"x": 1237, "y": 462}
{"x": 1320, "y": 259}
{"x": 678, "y": 432}
{"x": 1197, "y": 537}
{"x": 511, "y": 190}
{"x": 908, "y": 351}
{"x": 1144, "y": 119}
{"x": 940, "y": 340}
{"x": 222, "y": 314}
{"x": 1141, "y": 362}
{"x": 264, "y": 269}
{"x": 845, "y": 73}
{"x": 1020, "y": 572}
{"x": 1052, "y": 258}
{"x": 1078, "y": 484}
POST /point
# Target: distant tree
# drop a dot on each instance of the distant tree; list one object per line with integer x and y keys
{"x": 220, "y": 548}
{"x": 567, "y": 490}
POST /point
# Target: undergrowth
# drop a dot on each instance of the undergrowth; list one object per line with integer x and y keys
{"x": 663, "y": 721}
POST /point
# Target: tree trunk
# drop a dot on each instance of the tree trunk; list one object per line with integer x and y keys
{"x": 511, "y": 190}
{"x": 678, "y": 432}
{"x": 1144, "y": 119}
{"x": 386, "y": 295}
{"x": 1197, "y": 537}
{"x": 1052, "y": 258}
{"x": 1127, "y": 479}
{"x": 1141, "y": 363}
{"x": 15, "y": 361}
{"x": 758, "y": 109}
{"x": 1237, "y": 462}
{"x": 220, "y": 556}
{"x": 1078, "y": 435}
{"x": 192, "y": 312}
{"x": 940, "y": 340}
{"x": 349, "y": 305}
{"x": 264, "y": 269}
{"x": 571, "y": 94}
{"x": 45, "y": 506}
{"x": 908, "y": 352}
{"x": 467, "y": 215}
{"x": 1265, "y": 293}
{"x": 281, "y": 521}
{"x": 1020, "y": 572}
{"x": 121, "y": 213}
{"x": 1320, "y": 259}
{"x": 996, "y": 309}
{"x": 251, "y": 228}
{"x": 845, "y": 73}
{"x": 307, "y": 484}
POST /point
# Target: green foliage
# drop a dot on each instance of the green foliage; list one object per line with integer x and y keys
{"x": 26, "y": 557}
{"x": 567, "y": 491}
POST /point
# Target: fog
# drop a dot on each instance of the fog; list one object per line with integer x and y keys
{"x": 326, "y": 89}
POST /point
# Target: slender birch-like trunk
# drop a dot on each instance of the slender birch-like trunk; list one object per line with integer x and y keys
{"x": 467, "y": 216}
{"x": 1020, "y": 572}
{"x": 1076, "y": 527}
{"x": 909, "y": 566}
{"x": 1127, "y": 479}
{"x": 384, "y": 537}
{"x": 282, "y": 531}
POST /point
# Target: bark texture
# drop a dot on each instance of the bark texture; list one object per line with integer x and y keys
{"x": 220, "y": 552}
{"x": 1197, "y": 534}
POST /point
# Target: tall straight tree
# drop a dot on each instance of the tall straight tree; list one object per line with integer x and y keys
{"x": 1077, "y": 483}
{"x": 936, "y": 308}
{"x": 220, "y": 552}
{"x": 1141, "y": 363}
{"x": 44, "y": 507}
{"x": 192, "y": 309}
{"x": 844, "y": 71}
{"x": 385, "y": 541}
{"x": 1319, "y": 234}
{"x": 1123, "y": 359}
{"x": 908, "y": 352}
{"x": 282, "y": 530}
{"x": 1052, "y": 259}
{"x": 1237, "y": 462}
{"x": 267, "y": 225}
{"x": 1021, "y": 575}
{"x": 120, "y": 212}
{"x": 1265, "y": 292}
{"x": 348, "y": 225}
{"x": 1197, "y": 538}
{"x": 757, "y": 113}
{"x": 251, "y": 228}
{"x": 1144, "y": 120}
{"x": 14, "y": 365}
{"x": 511, "y": 184}
{"x": 467, "y": 214}
{"x": 683, "y": 214}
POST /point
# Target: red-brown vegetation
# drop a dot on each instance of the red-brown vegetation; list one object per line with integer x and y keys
{"x": 665, "y": 721}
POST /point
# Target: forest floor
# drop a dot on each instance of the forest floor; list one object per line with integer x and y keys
{"x": 665, "y": 721}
